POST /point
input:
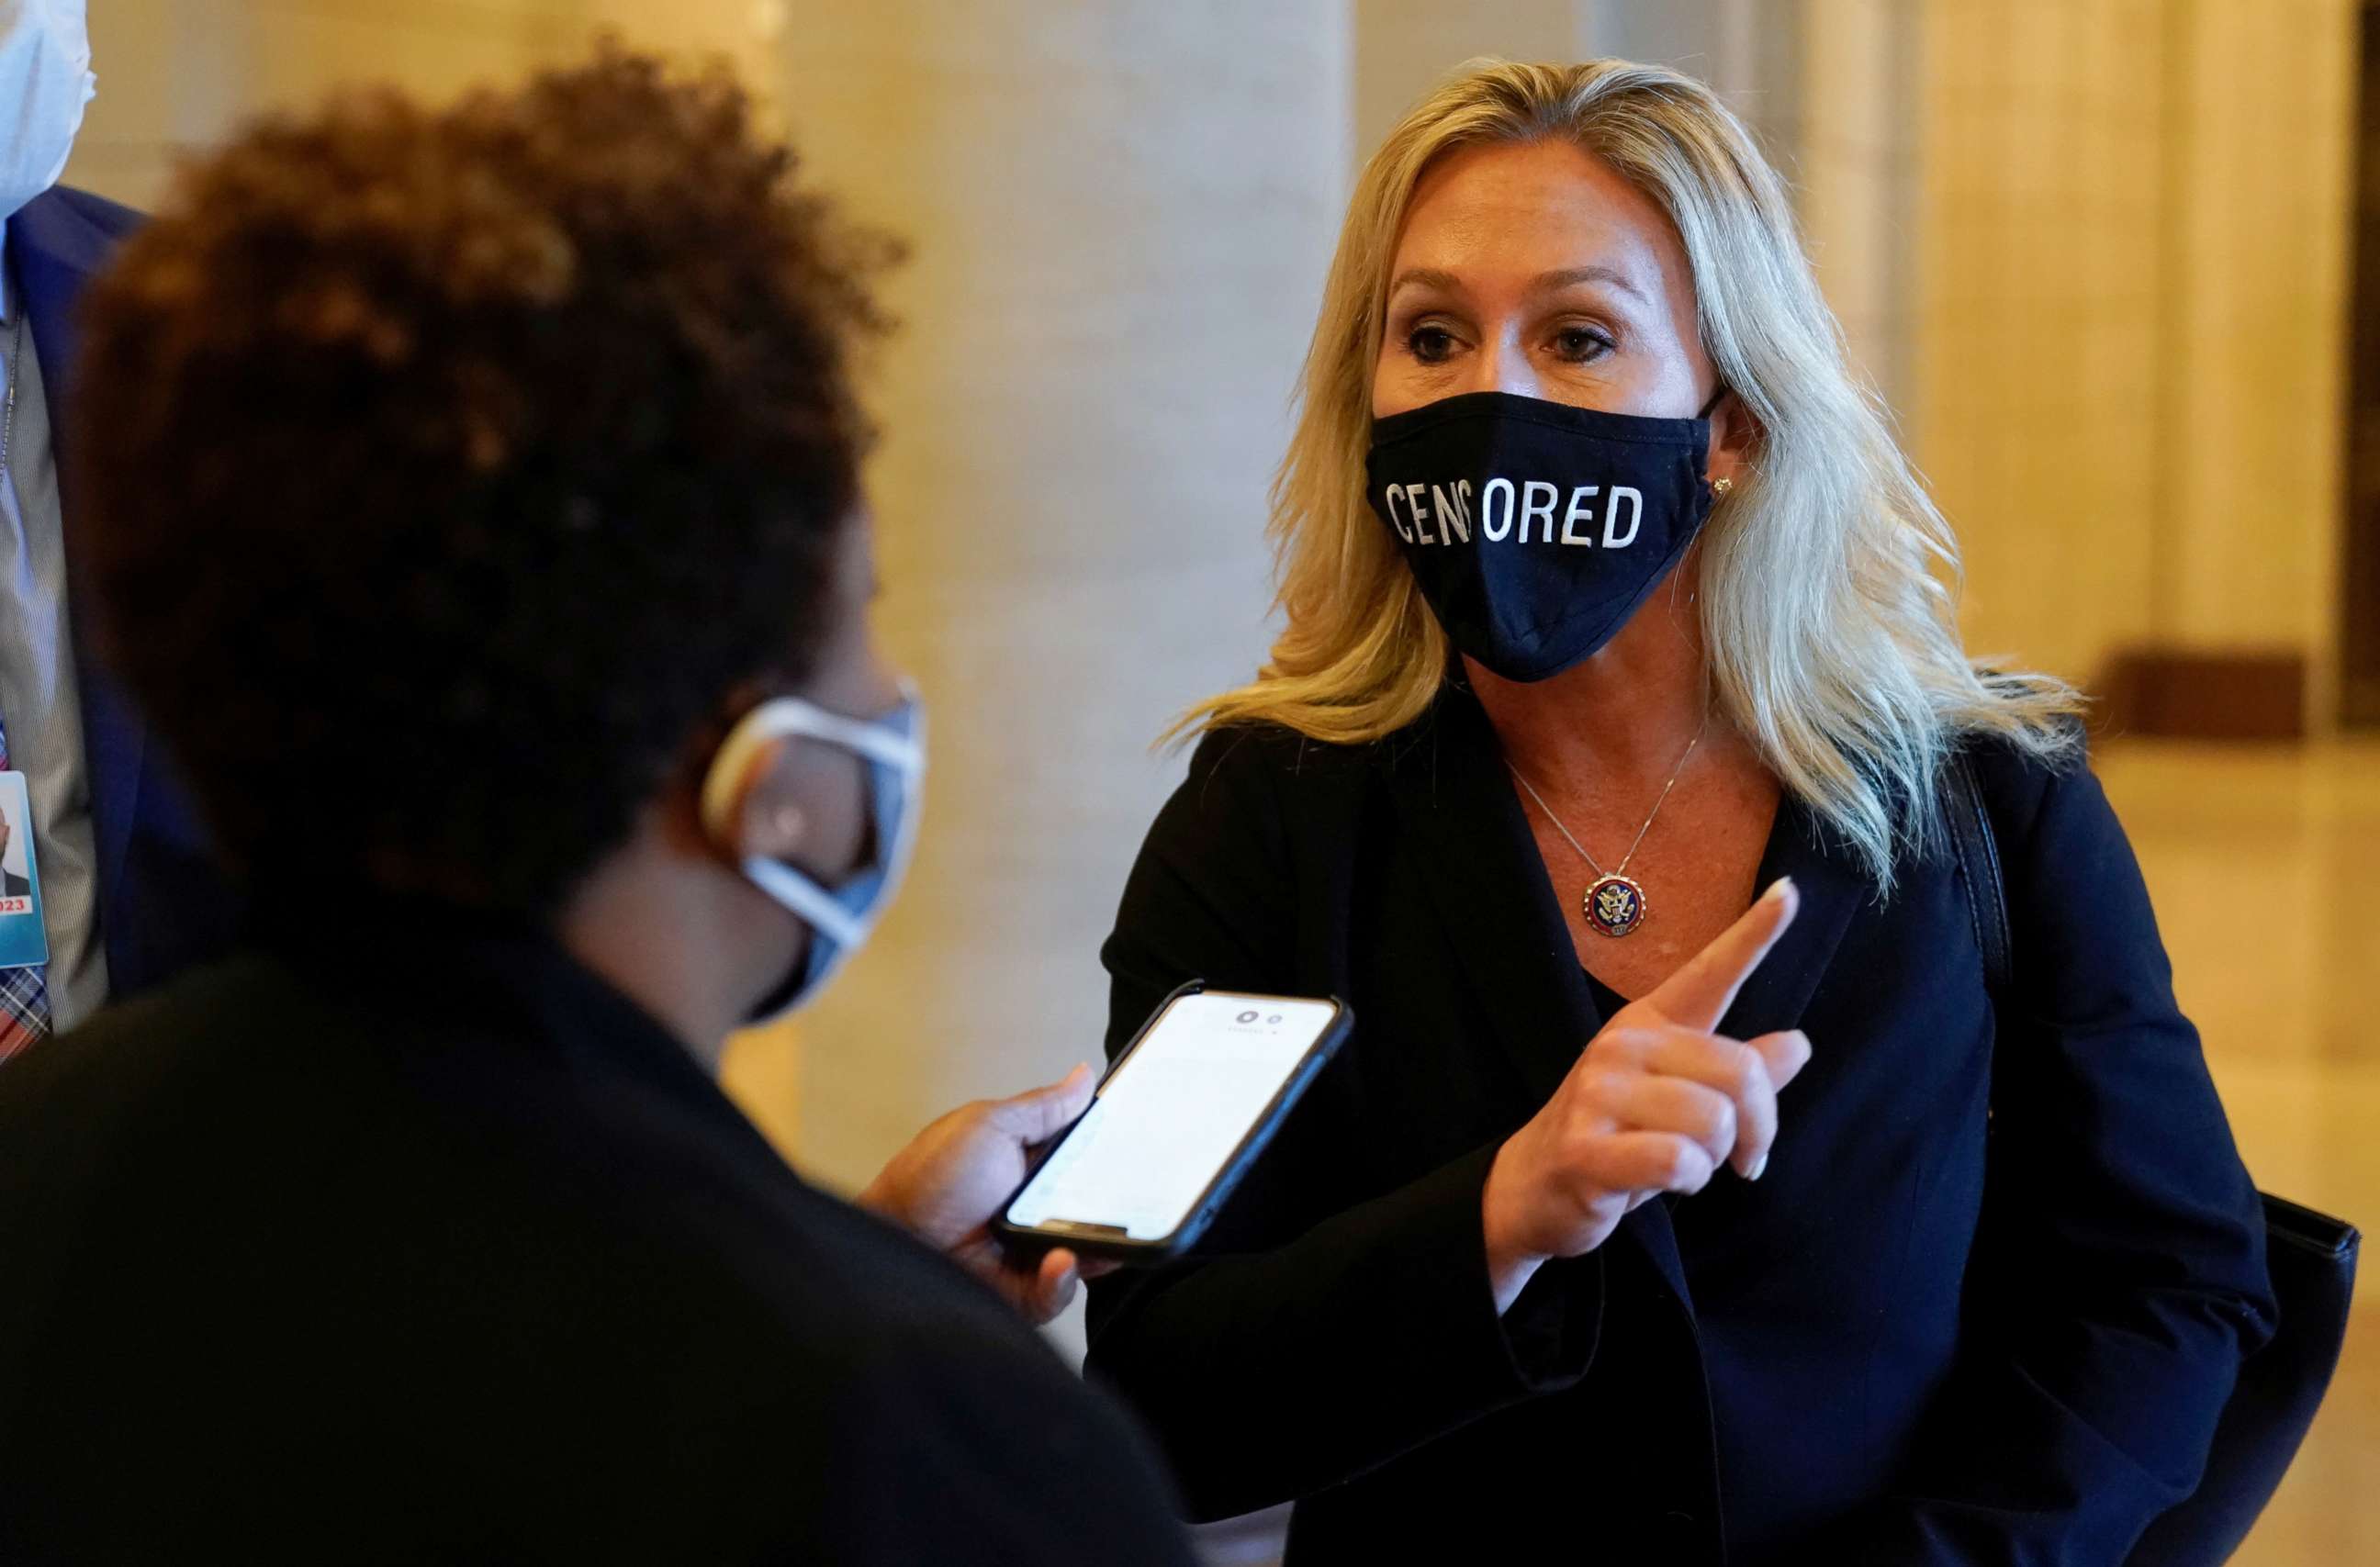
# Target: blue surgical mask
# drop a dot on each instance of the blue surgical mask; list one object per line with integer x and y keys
{"x": 44, "y": 81}
{"x": 894, "y": 747}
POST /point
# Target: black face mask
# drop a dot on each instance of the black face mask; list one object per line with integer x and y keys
{"x": 1535, "y": 529}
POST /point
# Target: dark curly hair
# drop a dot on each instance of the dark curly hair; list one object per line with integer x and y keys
{"x": 443, "y": 472}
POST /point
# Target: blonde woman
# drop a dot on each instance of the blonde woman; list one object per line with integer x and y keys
{"x": 1609, "y": 604}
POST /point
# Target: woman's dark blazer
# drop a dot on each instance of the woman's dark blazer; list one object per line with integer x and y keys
{"x": 1984, "y": 1307}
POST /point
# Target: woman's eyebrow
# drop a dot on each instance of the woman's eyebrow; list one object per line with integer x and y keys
{"x": 1547, "y": 282}
{"x": 1426, "y": 277}
{"x": 1544, "y": 283}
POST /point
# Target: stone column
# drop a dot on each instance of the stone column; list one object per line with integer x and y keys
{"x": 1120, "y": 214}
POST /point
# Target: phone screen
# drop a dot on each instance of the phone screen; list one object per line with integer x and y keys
{"x": 1168, "y": 1120}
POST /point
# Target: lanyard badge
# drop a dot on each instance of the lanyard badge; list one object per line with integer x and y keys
{"x": 24, "y": 941}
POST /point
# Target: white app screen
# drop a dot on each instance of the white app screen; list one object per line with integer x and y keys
{"x": 1163, "y": 1126}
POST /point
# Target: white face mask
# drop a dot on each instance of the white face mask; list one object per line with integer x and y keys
{"x": 840, "y": 919}
{"x": 44, "y": 81}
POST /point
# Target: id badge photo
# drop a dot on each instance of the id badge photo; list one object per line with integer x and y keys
{"x": 24, "y": 941}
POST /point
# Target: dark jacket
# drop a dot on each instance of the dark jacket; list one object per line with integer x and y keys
{"x": 416, "y": 1242}
{"x": 1892, "y": 1349}
{"x": 164, "y": 905}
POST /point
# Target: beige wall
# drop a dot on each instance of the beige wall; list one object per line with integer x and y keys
{"x": 1121, "y": 212}
{"x": 1747, "y": 49}
{"x": 1853, "y": 160}
{"x": 2257, "y": 216}
{"x": 176, "y": 74}
{"x": 2130, "y": 315}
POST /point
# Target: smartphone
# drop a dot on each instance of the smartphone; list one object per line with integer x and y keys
{"x": 1177, "y": 1121}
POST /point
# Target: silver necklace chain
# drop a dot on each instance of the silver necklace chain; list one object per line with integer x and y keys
{"x": 9, "y": 422}
{"x": 1572, "y": 841}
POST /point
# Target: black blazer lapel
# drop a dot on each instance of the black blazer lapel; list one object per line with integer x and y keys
{"x": 1457, "y": 805}
{"x": 1498, "y": 911}
{"x": 1832, "y": 886}
{"x": 1501, "y": 920}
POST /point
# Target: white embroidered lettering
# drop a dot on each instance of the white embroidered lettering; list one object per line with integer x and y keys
{"x": 1450, "y": 520}
{"x": 1612, "y": 537}
{"x": 1488, "y": 521}
{"x": 1420, "y": 514}
{"x": 1530, "y": 507}
{"x": 1579, "y": 512}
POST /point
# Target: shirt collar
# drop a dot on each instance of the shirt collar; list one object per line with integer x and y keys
{"x": 414, "y": 955}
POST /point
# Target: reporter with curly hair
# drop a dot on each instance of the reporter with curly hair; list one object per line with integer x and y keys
{"x": 478, "y": 522}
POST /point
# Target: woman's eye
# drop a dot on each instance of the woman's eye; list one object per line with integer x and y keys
{"x": 1580, "y": 344}
{"x": 1430, "y": 345}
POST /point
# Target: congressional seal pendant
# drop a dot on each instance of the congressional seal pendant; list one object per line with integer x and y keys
{"x": 1615, "y": 905}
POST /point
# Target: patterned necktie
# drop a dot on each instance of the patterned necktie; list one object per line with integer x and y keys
{"x": 24, "y": 992}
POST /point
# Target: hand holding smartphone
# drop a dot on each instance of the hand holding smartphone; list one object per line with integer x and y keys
{"x": 1178, "y": 1118}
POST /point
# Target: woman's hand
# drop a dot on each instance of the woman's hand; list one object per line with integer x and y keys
{"x": 1657, "y": 1103}
{"x": 946, "y": 1185}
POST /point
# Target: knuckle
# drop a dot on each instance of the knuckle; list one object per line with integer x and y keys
{"x": 1607, "y": 1088}
{"x": 1596, "y": 1082}
{"x": 1582, "y": 1146}
{"x": 1620, "y": 1040}
{"x": 1579, "y": 1188}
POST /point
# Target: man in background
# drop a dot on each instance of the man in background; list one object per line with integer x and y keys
{"x": 130, "y": 894}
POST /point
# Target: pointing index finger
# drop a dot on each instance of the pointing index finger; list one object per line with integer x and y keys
{"x": 1698, "y": 995}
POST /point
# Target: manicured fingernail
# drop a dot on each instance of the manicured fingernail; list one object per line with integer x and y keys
{"x": 1777, "y": 888}
{"x": 1757, "y": 1166}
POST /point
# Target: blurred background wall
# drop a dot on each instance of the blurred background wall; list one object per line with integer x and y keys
{"x": 2096, "y": 256}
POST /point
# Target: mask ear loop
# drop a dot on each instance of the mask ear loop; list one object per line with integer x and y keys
{"x": 779, "y": 717}
{"x": 1718, "y": 487}
{"x": 806, "y": 899}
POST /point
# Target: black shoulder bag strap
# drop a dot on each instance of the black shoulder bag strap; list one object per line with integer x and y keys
{"x": 2311, "y": 1255}
{"x": 1979, "y": 866}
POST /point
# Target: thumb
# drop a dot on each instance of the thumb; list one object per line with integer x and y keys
{"x": 1051, "y": 1288}
{"x": 1038, "y": 1114}
{"x": 1698, "y": 995}
{"x": 1784, "y": 1054}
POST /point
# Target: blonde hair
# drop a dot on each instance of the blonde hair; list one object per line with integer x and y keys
{"x": 1826, "y": 599}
